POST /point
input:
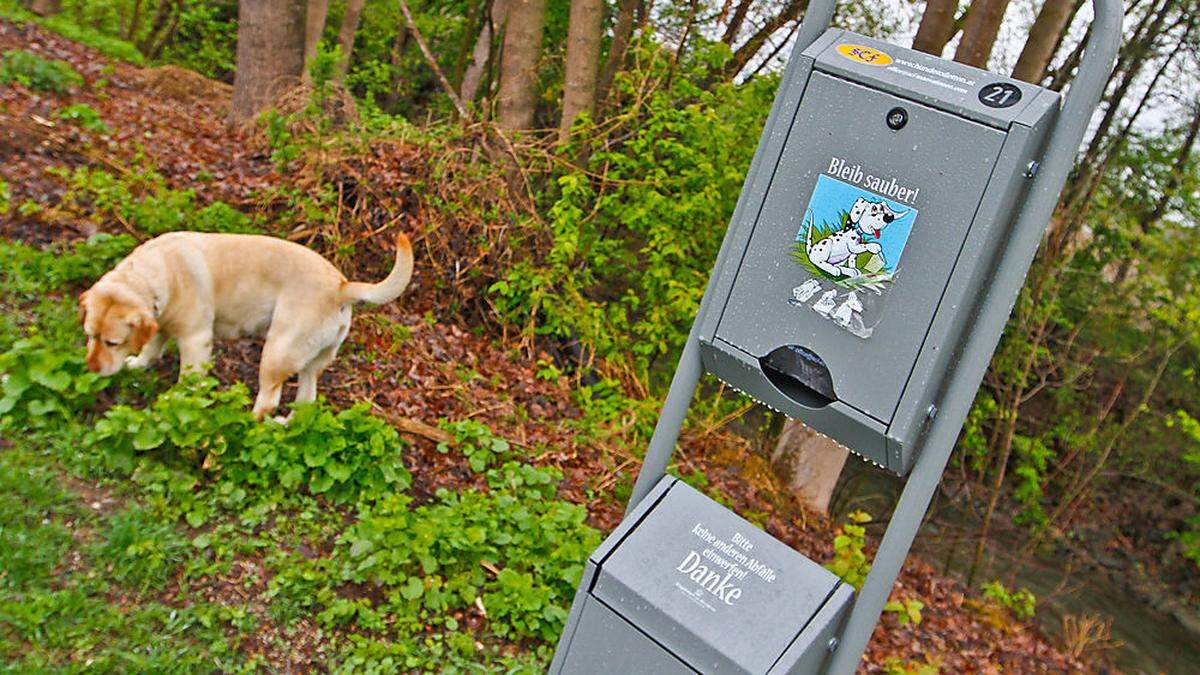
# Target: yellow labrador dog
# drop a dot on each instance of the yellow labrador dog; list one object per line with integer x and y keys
{"x": 197, "y": 287}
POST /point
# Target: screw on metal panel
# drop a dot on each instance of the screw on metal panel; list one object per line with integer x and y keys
{"x": 833, "y": 644}
{"x": 931, "y": 412}
{"x": 1031, "y": 168}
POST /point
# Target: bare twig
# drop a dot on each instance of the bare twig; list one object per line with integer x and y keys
{"x": 437, "y": 70}
{"x": 412, "y": 426}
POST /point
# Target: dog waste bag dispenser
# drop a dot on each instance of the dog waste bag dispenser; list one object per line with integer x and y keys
{"x": 895, "y": 186}
{"x": 883, "y": 233}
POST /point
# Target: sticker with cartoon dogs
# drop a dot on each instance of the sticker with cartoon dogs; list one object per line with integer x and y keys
{"x": 850, "y": 242}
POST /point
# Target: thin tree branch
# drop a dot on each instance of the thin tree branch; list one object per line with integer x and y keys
{"x": 433, "y": 64}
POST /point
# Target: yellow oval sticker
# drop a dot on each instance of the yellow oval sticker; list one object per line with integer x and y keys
{"x": 871, "y": 57}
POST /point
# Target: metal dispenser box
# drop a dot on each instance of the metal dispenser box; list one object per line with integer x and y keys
{"x": 684, "y": 585}
{"x": 874, "y": 218}
{"x": 883, "y": 233}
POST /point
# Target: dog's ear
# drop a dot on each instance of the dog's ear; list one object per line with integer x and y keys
{"x": 144, "y": 328}
{"x": 83, "y": 305}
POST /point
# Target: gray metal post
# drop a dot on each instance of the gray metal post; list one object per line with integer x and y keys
{"x": 993, "y": 312}
{"x": 688, "y": 371}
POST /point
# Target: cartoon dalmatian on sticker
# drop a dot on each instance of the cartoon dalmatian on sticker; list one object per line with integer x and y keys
{"x": 871, "y": 217}
{"x": 851, "y": 239}
{"x": 837, "y": 254}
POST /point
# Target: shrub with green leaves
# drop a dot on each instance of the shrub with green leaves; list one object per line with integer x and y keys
{"x": 515, "y": 548}
{"x": 346, "y": 456}
{"x": 621, "y": 261}
{"x": 33, "y": 71}
{"x": 31, "y": 271}
{"x": 1022, "y": 603}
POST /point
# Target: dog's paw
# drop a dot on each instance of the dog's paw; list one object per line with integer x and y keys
{"x": 136, "y": 362}
{"x": 283, "y": 419}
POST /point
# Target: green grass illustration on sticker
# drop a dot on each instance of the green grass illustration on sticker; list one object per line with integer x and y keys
{"x": 851, "y": 236}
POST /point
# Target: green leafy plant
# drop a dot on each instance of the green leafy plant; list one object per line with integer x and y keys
{"x": 347, "y": 455}
{"x": 515, "y": 549}
{"x": 30, "y": 70}
{"x": 1189, "y": 535}
{"x": 43, "y": 384}
{"x": 906, "y": 610}
{"x": 83, "y": 115}
{"x": 627, "y": 241}
{"x": 143, "y": 200}
{"x": 1022, "y": 603}
{"x": 476, "y": 442}
{"x": 849, "y": 558}
{"x": 283, "y": 145}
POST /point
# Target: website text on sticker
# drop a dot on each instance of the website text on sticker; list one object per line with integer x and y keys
{"x": 850, "y": 241}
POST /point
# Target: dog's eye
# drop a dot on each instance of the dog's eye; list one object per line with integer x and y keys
{"x": 113, "y": 343}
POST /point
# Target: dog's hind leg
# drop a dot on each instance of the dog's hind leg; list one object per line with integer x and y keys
{"x": 273, "y": 372}
{"x": 306, "y": 389}
{"x": 826, "y": 266}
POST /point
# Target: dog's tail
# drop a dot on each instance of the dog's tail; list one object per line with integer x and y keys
{"x": 390, "y": 288}
{"x": 808, "y": 232}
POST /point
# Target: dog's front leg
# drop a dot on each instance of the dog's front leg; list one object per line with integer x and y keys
{"x": 195, "y": 351}
{"x": 149, "y": 353}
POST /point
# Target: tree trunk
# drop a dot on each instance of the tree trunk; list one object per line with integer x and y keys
{"x": 349, "y": 28}
{"x": 45, "y": 7}
{"x": 135, "y": 21}
{"x": 519, "y": 63}
{"x": 314, "y": 27}
{"x": 979, "y": 33}
{"x": 270, "y": 54}
{"x": 399, "y": 48}
{"x": 1044, "y": 38}
{"x": 937, "y": 26}
{"x": 481, "y": 54}
{"x": 810, "y": 462}
{"x": 162, "y": 18}
{"x": 622, "y": 32}
{"x": 583, "y": 58}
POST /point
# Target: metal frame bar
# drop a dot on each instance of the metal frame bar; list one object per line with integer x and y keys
{"x": 992, "y": 314}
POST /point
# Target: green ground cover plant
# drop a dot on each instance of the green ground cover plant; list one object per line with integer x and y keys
{"x": 140, "y": 199}
{"x": 83, "y": 115}
{"x": 33, "y": 71}
{"x": 201, "y": 486}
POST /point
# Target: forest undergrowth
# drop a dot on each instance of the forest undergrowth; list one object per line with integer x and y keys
{"x": 431, "y": 513}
